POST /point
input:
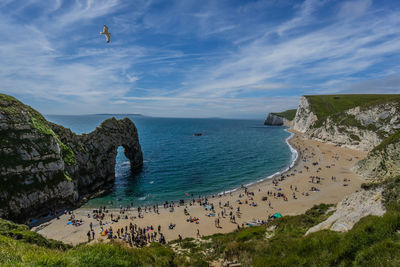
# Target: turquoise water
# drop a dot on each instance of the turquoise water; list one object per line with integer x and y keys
{"x": 228, "y": 154}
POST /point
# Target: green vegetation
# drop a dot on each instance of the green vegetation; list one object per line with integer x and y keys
{"x": 21, "y": 145}
{"x": 355, "y": 137}
{"x": 390, "y": 140}
{"x": 40, "y": 124}
{"x": 373, "y": 241}
{"x": 67, "y": 153}
{"x": 287, "y": 114}
{"x": 21, "y": 247}
{"x": 22, "y": 234}
{"x": 16, "y": 110}
{"x": 67, "y": 177}
{"x": 10, "y": 105}
{"x": 327, "y": 105}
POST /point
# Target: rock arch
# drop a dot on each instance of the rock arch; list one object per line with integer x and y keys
{"x": 97, "y": 152}
{"x": 45, "y": 166}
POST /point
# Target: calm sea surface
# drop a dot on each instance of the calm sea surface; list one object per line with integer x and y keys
{"x": 228, "y": 154}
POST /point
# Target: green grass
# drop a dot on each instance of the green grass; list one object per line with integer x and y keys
{"x": 327, "y": 105}
{"x": 24, "y": 235}
{"x": 395, "y": 138}
{"x": 373, "y": 241}
{"x": 287, "y": 114}
{"x": 21, "y": 247}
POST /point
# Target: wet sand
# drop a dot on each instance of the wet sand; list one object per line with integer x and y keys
{"x": 332, "y": 161}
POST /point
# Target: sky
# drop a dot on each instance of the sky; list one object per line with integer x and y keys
{"x": 192, "y": 58}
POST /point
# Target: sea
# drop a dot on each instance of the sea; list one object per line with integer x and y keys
{"x": 179, "y": 165}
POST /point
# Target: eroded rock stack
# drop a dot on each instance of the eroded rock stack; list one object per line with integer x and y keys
{"x": 274, "y": 120}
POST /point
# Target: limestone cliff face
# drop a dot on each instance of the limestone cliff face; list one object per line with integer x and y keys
{"x": 44, "y": 165}
{"x": 304, "y": 116}
{"x": 351, "y": 209}
{"x": 275, "y": 120}
{"x": 95, "y": 152}
{"x": 357, "y": 128}
{"x": 382, "y": 162}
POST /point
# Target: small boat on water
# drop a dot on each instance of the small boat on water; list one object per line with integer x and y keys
{"x": 198, "y": 134}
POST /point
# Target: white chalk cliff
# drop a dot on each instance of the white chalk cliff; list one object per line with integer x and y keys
{"x": 356, "y": 128}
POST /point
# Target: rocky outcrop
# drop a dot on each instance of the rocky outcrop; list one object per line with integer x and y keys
{"x": 45, "y": 166}
{"x": 356, "y": 128}
{"x": 351, "y": 209}
{"x": 382, "y": 162}
{"x": 304, "y": 116}
{"x": 275, "y": 120}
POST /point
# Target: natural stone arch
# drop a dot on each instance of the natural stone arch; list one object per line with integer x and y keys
{"x": 45, "y": 166}
{"x": 102, "y": 145}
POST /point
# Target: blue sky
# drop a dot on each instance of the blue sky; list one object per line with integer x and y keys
{"x": 191, "y": 58}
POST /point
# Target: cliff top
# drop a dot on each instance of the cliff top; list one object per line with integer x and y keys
{"x": 287, "y": 114}
{"x": 16, "y": 112}
{"x": 326, "y": 105}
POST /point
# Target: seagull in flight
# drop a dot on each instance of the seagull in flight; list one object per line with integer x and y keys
{"x": 106, "y": 33}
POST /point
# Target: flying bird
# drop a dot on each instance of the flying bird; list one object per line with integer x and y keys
{"x": 106, "y": 33}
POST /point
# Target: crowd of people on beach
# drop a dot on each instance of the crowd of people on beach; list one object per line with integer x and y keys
{"x": 107, "y": 223}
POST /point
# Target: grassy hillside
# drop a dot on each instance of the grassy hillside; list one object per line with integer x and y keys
{"x": 287, "y": 114}
{"x": 390, "y": 140}
{"x": 21, "y": 247}
{"x": 326, "y": 105}
{"x": 374, "y": 241}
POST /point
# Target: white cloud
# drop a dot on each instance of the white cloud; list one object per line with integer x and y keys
{"x": 209, "y": 106}
{"x": 132, "y": 78}
{"x": 342, "y": 48}
{"x": 53, "y": 59}
{"x": 304, "y": 17}
{"x": 354, "y": 9}
{"x": 82, "y": 10}
{"x": 390, "y": 84}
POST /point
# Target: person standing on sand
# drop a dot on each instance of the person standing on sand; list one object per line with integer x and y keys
{"x": 180, "y": 238}
{"x": 88, "y": 235}
{"x": 198, "y": 233}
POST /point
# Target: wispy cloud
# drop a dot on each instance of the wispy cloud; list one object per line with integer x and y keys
{"x": 354, "y": 9}
{"x": 191, "y": 58}
{"x": 340, "y": 49}
{"x": 303, "y": 17}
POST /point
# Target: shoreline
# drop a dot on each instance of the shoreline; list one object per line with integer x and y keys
{"x": 294, "y": 157}
{"x": 295, "y": 176}
{"x": 291, "y": 165}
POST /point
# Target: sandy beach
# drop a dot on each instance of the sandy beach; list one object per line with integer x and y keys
{"x": 322, "y": 167}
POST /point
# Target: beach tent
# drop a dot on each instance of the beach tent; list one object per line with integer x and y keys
{"x": 277, "y": 215}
